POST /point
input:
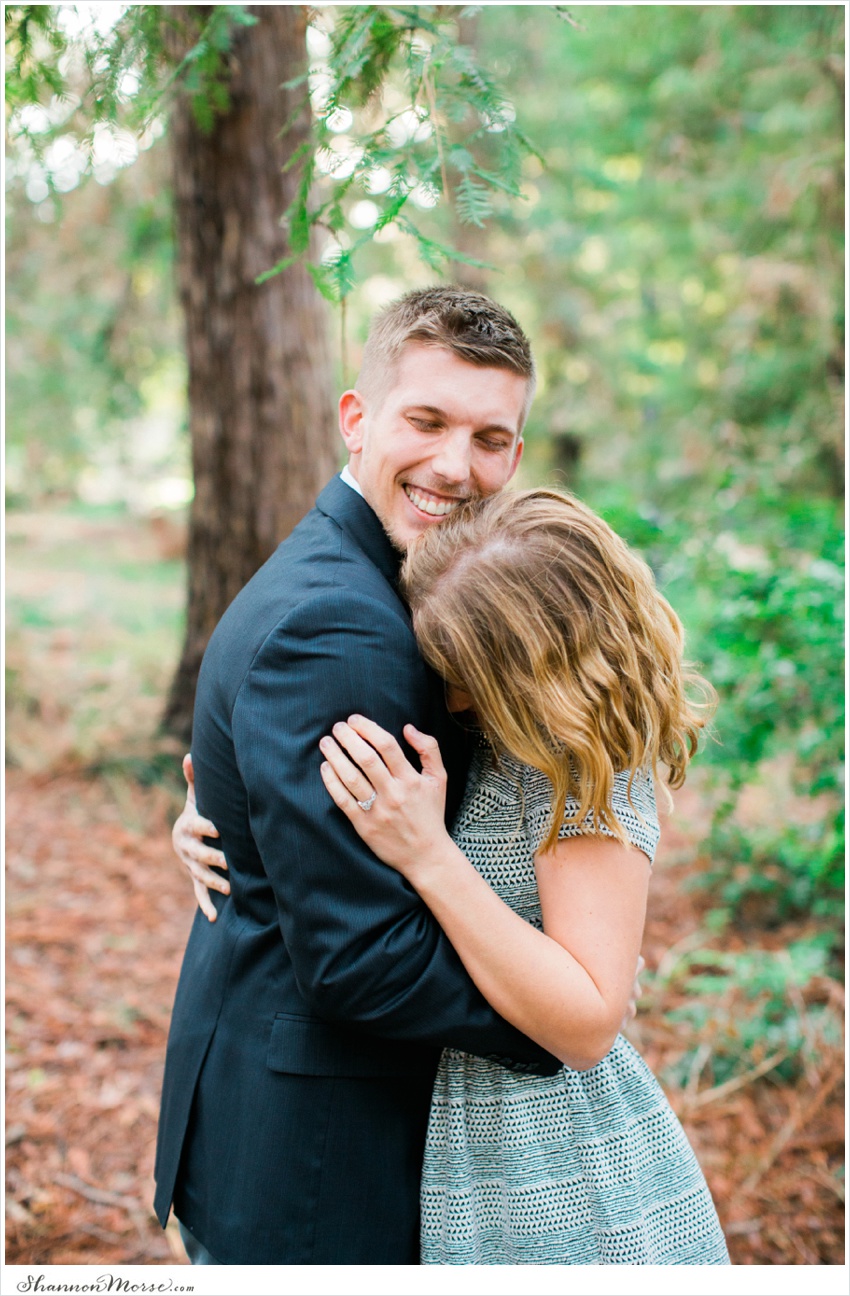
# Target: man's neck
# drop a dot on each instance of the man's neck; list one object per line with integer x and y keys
{"x": 347, "y": 476}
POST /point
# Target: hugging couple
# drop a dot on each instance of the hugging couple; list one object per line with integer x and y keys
{"x": 427, "y": 733}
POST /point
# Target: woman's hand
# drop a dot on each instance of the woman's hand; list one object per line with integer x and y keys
{"x": 404, "y": 824}
{"x": 637, "y": 991}
{"x": 187, "y": 839}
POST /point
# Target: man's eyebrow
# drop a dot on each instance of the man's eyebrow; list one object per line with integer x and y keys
{"x": 441, "y": 414}
{"x": 429, "y": 409}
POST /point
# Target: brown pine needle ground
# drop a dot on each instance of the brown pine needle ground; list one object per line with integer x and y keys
{"x": 98, "y": 914}
{"x": 98, "y": 911}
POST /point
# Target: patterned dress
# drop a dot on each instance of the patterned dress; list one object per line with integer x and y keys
{"x": 577, "y": 1168}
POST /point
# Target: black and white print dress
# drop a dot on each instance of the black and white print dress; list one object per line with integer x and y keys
{"x": 587, "y": 1167}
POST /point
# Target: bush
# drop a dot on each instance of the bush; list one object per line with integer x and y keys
{"x": 741, "y": 1009}
{"x": 762, "y": 603}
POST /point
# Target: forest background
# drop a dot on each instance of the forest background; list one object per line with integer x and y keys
{"x": 669, "y": 229}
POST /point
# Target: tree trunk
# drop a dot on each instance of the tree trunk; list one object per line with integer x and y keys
{"x": 261, "y": 411}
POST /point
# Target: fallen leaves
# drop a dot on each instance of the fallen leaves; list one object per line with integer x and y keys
{"x": 98, "y": 914}
{"x": 772, "y": 1151}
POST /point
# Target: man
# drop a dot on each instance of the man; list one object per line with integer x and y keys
{"x": 310, "y": 1016}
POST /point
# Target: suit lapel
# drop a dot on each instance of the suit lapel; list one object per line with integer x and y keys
{"x": 359, "y": 520}
{"x": 350, "y": 511}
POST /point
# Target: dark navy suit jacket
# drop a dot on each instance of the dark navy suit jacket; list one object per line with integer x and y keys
{"x": 309, "y": 1018}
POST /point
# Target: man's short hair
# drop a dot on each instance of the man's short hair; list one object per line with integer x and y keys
{"x": 474, "y": 327}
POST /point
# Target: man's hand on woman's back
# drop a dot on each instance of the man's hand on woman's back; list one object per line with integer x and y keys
{"x": 187, "y": 837}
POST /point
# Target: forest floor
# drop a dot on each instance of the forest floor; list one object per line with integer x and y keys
{"x": 98, "y": 912}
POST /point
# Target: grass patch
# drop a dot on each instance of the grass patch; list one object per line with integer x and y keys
{"x": 94, "y": 620}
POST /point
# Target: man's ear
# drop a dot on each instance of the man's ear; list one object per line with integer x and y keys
{"x": 352, "y": 412}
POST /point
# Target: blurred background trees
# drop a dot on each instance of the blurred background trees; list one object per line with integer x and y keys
{"x": 673, "y": 241}
{"x": 656, "y": 191}
{"x": 260, "y": 408}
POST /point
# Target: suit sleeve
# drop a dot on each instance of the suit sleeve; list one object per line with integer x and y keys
{"x": 364, "y": 948}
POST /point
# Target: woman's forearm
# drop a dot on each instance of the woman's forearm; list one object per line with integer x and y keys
{"x": 529, "y": 978}
{"x": 566, "y": 987}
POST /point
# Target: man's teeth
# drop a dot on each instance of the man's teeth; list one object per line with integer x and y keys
{"x": 437, "y": 508}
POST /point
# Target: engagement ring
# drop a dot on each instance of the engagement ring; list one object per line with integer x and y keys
{"x": 367, "y": 805}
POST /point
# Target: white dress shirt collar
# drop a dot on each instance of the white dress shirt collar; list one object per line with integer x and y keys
{"x": 350, "y": 480}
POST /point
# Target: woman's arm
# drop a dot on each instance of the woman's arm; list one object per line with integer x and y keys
{"x": 568, "y": 986}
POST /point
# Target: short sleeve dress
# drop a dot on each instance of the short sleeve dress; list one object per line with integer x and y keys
{"x": 587, "y": 1167}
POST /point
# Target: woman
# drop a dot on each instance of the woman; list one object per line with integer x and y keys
{"x": 554, "y": 637}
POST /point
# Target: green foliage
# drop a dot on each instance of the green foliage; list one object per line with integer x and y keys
{"x": 415, "y": 87}
{"x": 775, "y": 635}
{"x": 94, "y": 620}
{"x": 74, "y": 80}
{"x": 759, "y": 585}
{"x": 366, "y": 38}
{"x": 765, "y": 609}
{"x": 473, "y": 202}
{"x": 32, "y": 37}
{"x": 203, "y": 73}
{"x": 95, "y": 376}
{"x": 680, "y": 264}
{"x": 775, "y": 873}
{"x": 92, "y": 327}
{"x": 740, "y": 1009}
{"x": 763, "y": 602}
{"x": 684, "y": 244}
{"x": 404, "y": 116}
{"x": 677, "y": 261}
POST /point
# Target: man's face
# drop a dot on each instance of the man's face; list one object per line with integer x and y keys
{"x": 446, "y": 431}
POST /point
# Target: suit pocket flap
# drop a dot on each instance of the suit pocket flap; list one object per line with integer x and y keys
{"x": 304, "y": 1046}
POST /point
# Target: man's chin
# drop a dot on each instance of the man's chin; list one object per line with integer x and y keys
{"x": 402, "y": 533}
{"x": 401, "y": 540}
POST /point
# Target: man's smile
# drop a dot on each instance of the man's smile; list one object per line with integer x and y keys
{"x": 446, "y": 432}
{"x": 429, "y": 502}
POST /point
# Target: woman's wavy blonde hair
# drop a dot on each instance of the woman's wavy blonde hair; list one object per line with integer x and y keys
{"x": 573, "y": 660}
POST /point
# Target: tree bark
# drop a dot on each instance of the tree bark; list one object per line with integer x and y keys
{"x": 261, "y": 412}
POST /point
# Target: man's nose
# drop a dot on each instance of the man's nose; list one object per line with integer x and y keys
{"x": 453, "y": 458}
